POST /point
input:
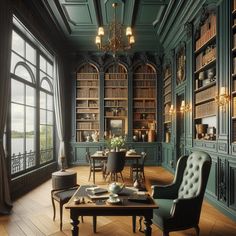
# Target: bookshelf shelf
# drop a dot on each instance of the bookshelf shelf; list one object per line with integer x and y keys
{"x": 167, "y": 74}
{"x": 144, "y": 103}
{"x": 205, "y": 108}
{"x": 87, "y": 102}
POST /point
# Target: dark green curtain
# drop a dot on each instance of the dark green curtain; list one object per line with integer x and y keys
{"x": 5, "y": 48}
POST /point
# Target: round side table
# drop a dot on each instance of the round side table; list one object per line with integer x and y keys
{"x": 64, "y": 179}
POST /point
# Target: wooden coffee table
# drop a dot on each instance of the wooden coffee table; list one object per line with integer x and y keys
{"x": 124, "y": 208}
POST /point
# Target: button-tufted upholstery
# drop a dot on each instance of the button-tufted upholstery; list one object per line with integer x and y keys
{"x": 191, "y": 183}
{"x": 180, "y": 203}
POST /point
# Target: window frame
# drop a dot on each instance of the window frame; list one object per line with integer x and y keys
{"x": 40, "y": 50}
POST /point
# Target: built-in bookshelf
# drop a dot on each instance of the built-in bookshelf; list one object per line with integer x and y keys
{"x": 205, "y": 78}
{"x": 233, "y": 77}
{"x": 167, "y": 73}
{"x": 87, "y": 104}
{"x": 144, "y": 104}
{"x": 116, "y": 101}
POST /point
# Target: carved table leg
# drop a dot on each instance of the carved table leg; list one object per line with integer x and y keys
{"x": 74, "y": 222}
{"x": 148, "y": 229}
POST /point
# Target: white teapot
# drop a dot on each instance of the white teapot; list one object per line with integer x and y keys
{"x": 115, "y": 187}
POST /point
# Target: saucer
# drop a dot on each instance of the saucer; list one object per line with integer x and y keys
{"x": 115, "y": 201}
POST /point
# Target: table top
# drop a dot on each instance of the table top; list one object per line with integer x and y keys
{"x": 102, "y": 155}
{"x": 103, "y": 203}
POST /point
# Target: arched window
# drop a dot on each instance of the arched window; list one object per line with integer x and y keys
{"x": 30, "y": 77}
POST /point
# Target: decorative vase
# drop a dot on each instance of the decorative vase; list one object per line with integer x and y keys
{"x": 117, "y": 149}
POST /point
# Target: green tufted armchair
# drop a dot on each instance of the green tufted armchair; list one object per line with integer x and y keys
{"x": 180, "y": 202}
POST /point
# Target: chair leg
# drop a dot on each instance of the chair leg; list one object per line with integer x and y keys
{"x": 134, "y": 223}
{"x": 197, "y": 229}
{"x": 89, "y": 174}
{"x": 54, "y": 209}
{"x": 94, "y": 224}
{"x": 121, "y": 176}
{"x": 61, "y": 209}
{"x": 82, "y": 219}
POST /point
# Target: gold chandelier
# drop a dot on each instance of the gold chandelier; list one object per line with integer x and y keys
{"x": 115, "y": 41}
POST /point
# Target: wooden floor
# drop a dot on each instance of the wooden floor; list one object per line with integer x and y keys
{"x": 32, "y": 213}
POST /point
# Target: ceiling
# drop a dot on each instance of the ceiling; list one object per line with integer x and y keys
{"x": 78, "y": 20}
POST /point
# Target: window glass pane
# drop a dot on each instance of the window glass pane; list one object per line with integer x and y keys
{"x": 30, "y": 121}
{"x": 46, "y": 85}
{"x": 42, "y": 62}
{"x": 30, "y": 54}
{"x": 17, "y": 43}
{"x": 49, "y": 102}
{"x": 30, "y": 131}
{"x": 43, "y": 130}
{"x": 17, "y": 128}
{"x": 30, "y": 96}
{"x": 49, "y": 69}
{"x": 43, "y": 100}
{"x": 33, "y": 69}
{"x": 17, "y": 91}
{"x": 49, "y": 136}
{"x": 22, "y": 72}
{"x": 42, "y": 116}
{"x": 49, "y": 118}
{"x": 14, "y": 60}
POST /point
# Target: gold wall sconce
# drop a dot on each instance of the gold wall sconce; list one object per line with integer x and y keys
{"x": 185, "y": 107}
{"x": 222, "y": 99}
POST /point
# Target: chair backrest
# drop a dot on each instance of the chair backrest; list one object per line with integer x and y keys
{"x": 115, "y": 162}
{"x": 88, "y": 158}
{"x": 195, "y": 175}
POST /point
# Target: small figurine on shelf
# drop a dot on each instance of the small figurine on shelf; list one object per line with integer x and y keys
{"x": 88, "y": 138}
{"x": 95, "y": 136}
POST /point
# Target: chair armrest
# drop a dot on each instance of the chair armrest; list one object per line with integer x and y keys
{"x": 166, "y": 191}
{"x": 185, "y": 207}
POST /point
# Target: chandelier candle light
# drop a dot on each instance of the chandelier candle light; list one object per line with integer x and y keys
{"x": 115, "y": 39}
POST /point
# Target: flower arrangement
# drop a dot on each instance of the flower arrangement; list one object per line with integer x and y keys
{"x": 117, "y": 142}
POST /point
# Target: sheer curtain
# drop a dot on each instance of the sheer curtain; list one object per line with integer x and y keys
{"x": 59, "y": 104}
{"x": 5, "y": 47}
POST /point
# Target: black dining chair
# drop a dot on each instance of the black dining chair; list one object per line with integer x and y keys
{"x": 115, "y": 164}
{"x": 97, "y": 167}
{"x": 134, "y": 168}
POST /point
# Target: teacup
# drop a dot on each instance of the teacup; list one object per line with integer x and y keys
{"x": 113, "y": 197}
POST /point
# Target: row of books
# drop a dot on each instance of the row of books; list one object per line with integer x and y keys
{"x": 86, "y": 93}
{"x": 234, "y": 131}
{"x": 115, "y": 83}
{"x": 167, "y": 98}
{"x": 234, "y": 107}
{"x": 87, "y": 83}
{"x": 87, "y": 103}
{"x": 141, "y": 76}
{"x": 234, "y": 85}
{"x": 113, "y": 103}
{"x": 205, "y": 57}
{"x": 143, "y": 104}
{"x": 234, "y": 5}
{"x": 167, "y": 89}
{"x": 116, "y": 93}
{"x": 116, "y": 76}
{"x": 145, "y": 92}
{"x": 87, "y": 76}
{"x": 144, "y": 69}
{"x": 144, "y": 83}
{"x": 207, "y": 31}
{"x": 205, "y": 94}
{"x": 168, "y": 81}
{"x": 234, "y": 40}
{"x": 206, "y": 109}
{"x": 87, "y": 125}
{"x": 116, "y": 113}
